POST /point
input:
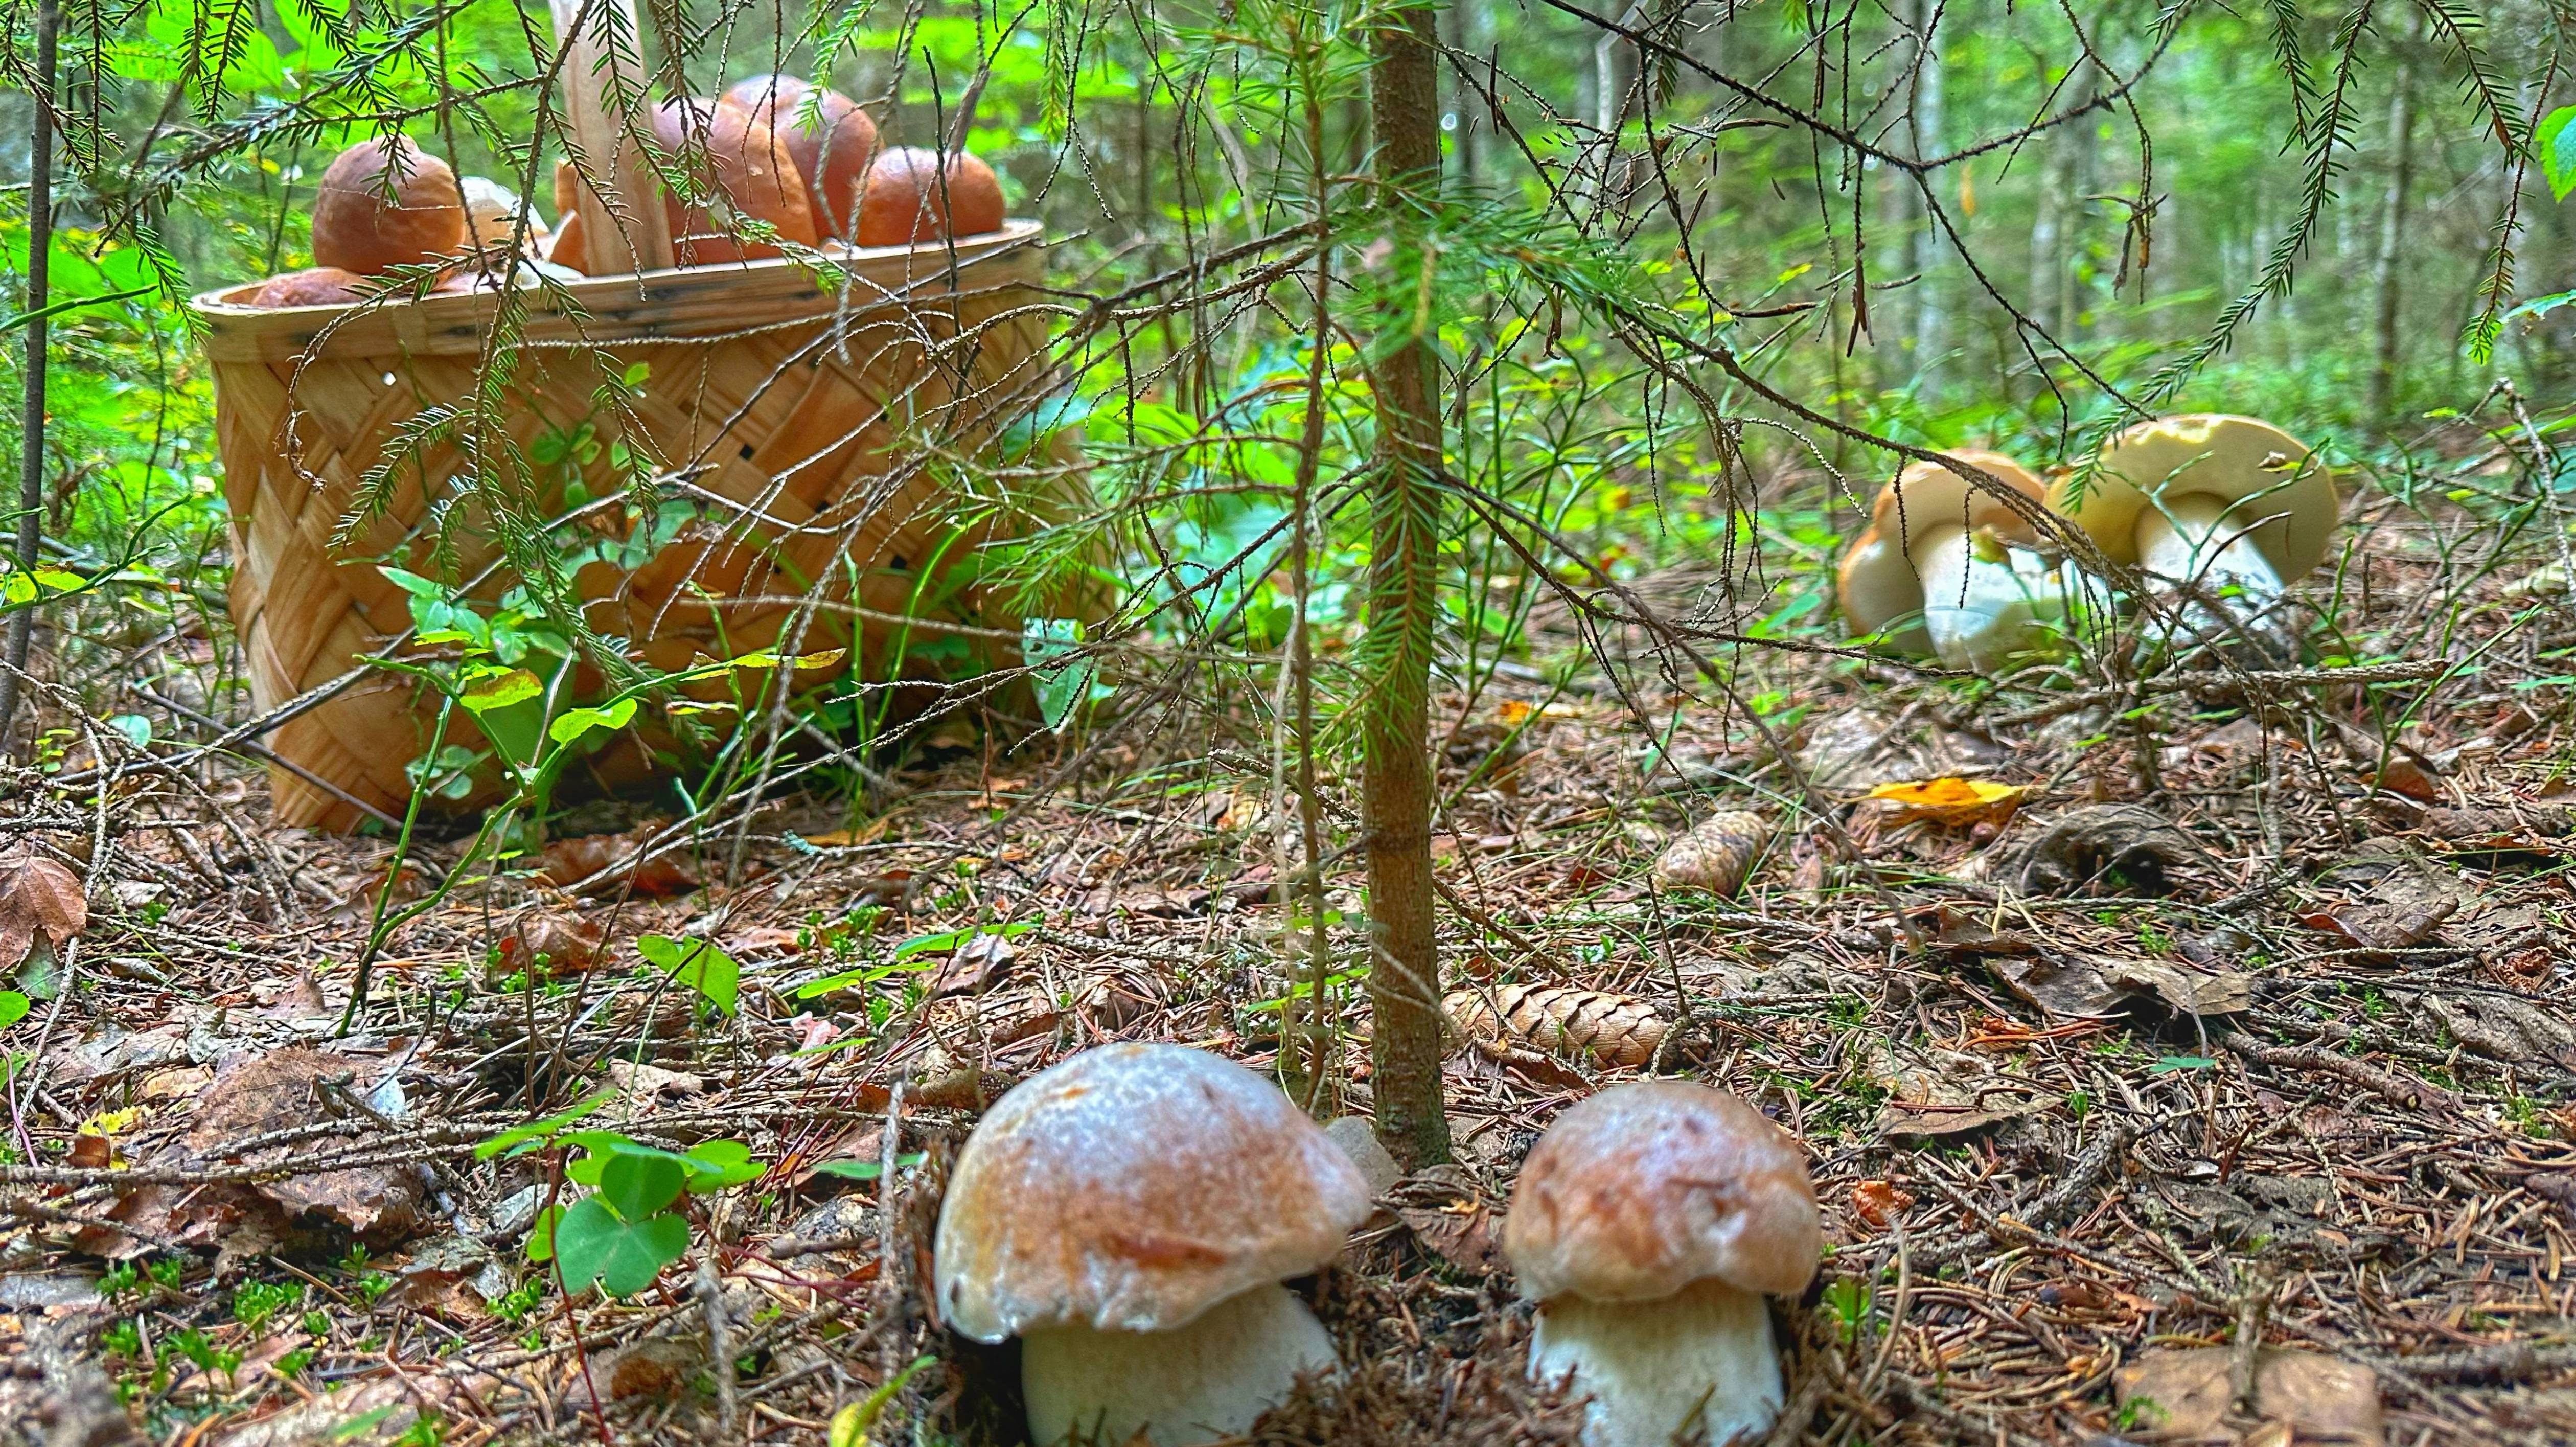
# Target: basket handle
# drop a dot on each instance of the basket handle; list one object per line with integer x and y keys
{"x": 623, "y": 225}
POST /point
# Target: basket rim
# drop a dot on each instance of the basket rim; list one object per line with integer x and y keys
{"x": 222, "y": 301}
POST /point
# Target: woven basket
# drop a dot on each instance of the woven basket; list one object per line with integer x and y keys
{"x": 810, "y": 426}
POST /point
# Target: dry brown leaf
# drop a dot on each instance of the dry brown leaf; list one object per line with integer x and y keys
{"x": 559, "y": 943}
{"x": 39, "y": 900}
{"x": 609, "y": 863}
{"x": 1717, "y": 855}
{"x": 2183, "y": 1395}
{"x": 1615, "y": 1029}
{"x": 1879, "y": 1202}
{"x": 1450, "y": 1217}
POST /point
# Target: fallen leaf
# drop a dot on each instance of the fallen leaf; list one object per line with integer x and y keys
{"x": 2383, "y": 926}
{"x": 40, "y": 902}
{"x": 1879, "y": 1202}
{"x": 609, "y": 863}
{"x": 1950, "y": 801}
{"x": 2187, "y": 991}
{"x": 2183, "y": 1395}
{"x": 868, "y": 833}
{"x": 646, "y": 1081}
{"x": 558, "y": 943}
{"x": 1450, "y": 1217}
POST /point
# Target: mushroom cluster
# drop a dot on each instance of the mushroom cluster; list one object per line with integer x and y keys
{"x": 2225, "y": 511}
{"x": 800, "y": 160}
{"x": 1129, "y": 1215}
{"x": 1648, "y": 1224}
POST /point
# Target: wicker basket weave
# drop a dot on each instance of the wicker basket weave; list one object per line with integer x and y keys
{"x": 807, "y": 424}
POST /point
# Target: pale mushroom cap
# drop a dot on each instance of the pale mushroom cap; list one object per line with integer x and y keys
{"x": 1645, "y": 1188}
{"x": 2213, "y": 455}
{"x": 1133, "y": 1187}
{"x": 1879, "y": 579}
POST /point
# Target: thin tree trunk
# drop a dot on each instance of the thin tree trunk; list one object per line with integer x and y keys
{"x": 1404, "y": 537}
{"x": 1931, "y": 322}
{"x": 31, "y": 453}
{"x": 2392, "y": 223}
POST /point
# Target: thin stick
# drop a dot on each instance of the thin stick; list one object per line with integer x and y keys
{"x": 31, "y": 426}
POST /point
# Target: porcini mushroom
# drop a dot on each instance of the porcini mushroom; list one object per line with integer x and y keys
{"x": 1957, "y": 556}
{"x": 2228, "y": 505}
{"x": 1130, "y": 1215}
{"x": 831, "y": 144}
{"x": 1648, "y": 1222}
{"x": 386, "y": 203}
{"x": 912, "y": 197}
{"x": 750, "y": 167}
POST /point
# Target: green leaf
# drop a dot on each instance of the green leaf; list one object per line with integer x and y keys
{"x": 541, "y": 1235}
{"x": 2555, "y": 144}
{"x": 637, "y": 1183}
{"x": 136, "y": 728}
{"x": 576, "y": 722}
{"x": 2167, "y": 1065}
{"x": 500, "y": 690}
{"x": 536, "y": 1130}
{"x": 697, "y": 964}
{"x": 13, "y": 1008}
{"x": 714, "y": 1165}
{"x": 864, "y": 1170}
{"x": 413, "y": 583}
{"x": 592, "y": 1244}
{"x": 1062, "y": 683}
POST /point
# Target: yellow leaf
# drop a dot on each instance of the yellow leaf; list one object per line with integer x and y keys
{"x": 1967, "y": 191}
{"x": 112, "y": 1122}
{"x": 1951, "y": 801}
{"x": 868, "y": 833}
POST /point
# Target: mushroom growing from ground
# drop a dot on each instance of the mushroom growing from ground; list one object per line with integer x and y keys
{"x": 1130, "y": 1215}
{"x": 2228, "y": 505}
{"x": 912, "y": 198}
{"x": 385, "y": 204}
{"x": 832, "y": 147}
{"x": 1647, "y": 1224}
{"x": 1957, "y": 555}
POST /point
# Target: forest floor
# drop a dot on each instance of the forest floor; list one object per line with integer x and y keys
{"x": 2234, "y": 1054}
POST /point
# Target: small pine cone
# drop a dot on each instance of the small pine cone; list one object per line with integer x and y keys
{"x": 1717, "y": 854}
{"x": 1614, "y": 1029}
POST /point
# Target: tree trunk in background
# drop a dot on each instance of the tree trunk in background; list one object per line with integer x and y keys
{"x": 31, "y": 421}
{"x": 2384, "y": 267}
{"x": 1395, "y": 734}
{"x": 2053, "y": 225}
{"x": 1930, "y": 321}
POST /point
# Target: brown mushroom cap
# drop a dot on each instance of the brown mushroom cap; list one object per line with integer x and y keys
{"x": 908, "y": 202}
{"x": 321, "y": 286}
{"x": 1880, "y": 579}
{"x": 751, "y": 167}
{"x": 1133, "y": 1187}
{"x": 1645, "y": 1188}
{"x": 2215, "y": 455}
{"x": 357, "y": 228}
{"x": 832, "y": 149}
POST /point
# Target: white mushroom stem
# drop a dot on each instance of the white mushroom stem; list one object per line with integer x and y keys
{"x": 1700, "y": 1360}
{"x": 1193, "y": 1384}
{"x": 1978, "y": 610}
{"x": 2196, "y": 538}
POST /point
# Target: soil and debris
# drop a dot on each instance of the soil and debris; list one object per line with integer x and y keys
{"x": 2180, "y": 1059}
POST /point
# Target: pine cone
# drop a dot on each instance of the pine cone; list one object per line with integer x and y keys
{"x": 1614, "y": 1029}
{"x": 1717, "y": 854}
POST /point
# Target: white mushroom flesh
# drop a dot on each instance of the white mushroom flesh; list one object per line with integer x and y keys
{"x": 2208, "y": 542}
{"x": 1193, "y": 1384}
{"x": 1979, "y": 611}
{"x": 1699, "y": 1363}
